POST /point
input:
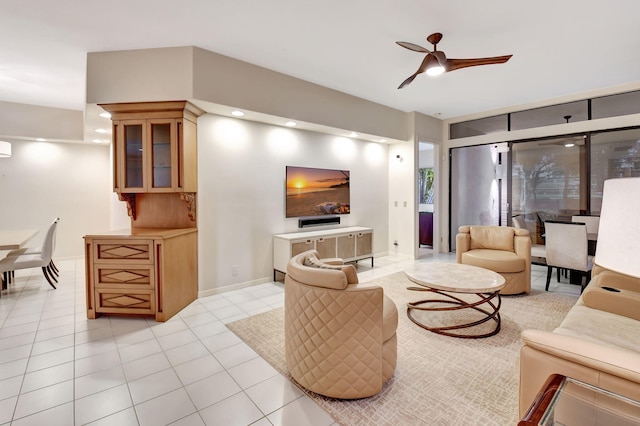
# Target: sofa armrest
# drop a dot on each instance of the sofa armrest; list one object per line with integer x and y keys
{"x": 615, "y": 293}
{"x": 522, "y": 246}
{"x": 463, "y": 244}
{"x": 545, "y": 353}
{"x": 613, "y": 279}
{"x": 613, "y": 361}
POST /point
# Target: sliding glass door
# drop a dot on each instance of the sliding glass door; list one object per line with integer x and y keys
{"x": 478, "y": 187}
{"x": 550, "y": 179}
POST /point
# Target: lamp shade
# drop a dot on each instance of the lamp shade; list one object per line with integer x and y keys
{"x": 5, "y": 149}
{"x": 618, "y": 246}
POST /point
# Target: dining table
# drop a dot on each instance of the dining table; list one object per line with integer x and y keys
{"x": 15, "y": 238}
{"x": 11, "y": 240}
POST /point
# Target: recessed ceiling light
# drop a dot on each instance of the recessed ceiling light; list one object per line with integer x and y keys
{"x": 290, "y": 124}
{"x": 41, "y": 139}
{"x": 101, "y": 131}
{"x": 382, "y": 140}
{"x": 237, "y": 113}
{"x": 97, "y": 141}
{"x": 569, "y": 144}
{"x": 353, "y": 135}
{"x": 105, "y": 115}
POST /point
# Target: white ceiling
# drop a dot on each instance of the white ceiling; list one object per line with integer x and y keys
{"x": 559, "y": 47}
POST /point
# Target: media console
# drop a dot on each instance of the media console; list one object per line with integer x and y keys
{"x": 350, "y": 244}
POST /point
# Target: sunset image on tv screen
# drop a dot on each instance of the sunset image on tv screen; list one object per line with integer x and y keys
{"x": 317, "y": 192}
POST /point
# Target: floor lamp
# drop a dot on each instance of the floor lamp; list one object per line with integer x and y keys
{"x": 618, "y": 250}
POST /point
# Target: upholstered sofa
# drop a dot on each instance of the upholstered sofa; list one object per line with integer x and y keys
{"x": 598, "y": 342}
{"x": 502, "y": 249}
{"x": 340, "y": 336}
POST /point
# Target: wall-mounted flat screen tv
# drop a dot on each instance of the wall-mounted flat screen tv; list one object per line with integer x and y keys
{"x": 317, "y": 192}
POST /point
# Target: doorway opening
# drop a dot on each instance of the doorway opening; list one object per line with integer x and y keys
{"x": 426, "y": 196}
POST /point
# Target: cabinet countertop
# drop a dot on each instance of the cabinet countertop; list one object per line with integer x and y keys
{"x": 143, "y": 233}
{"x": 322, "y": 232}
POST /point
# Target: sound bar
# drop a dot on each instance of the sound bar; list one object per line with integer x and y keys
{"x": 303, "y": 223}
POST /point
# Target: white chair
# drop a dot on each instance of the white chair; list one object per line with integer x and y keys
{"x": 592, "y": 222}
{"x": 53, "y": 269}
{"x": 33, "y": 260}
{"x": 518, "y": 222}
{"x": 538, "y": 251}
{"x": 567, "y": 248}
{"x": 593, "y": 225}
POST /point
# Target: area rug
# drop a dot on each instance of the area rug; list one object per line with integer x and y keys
{"x": 439, "y": 380}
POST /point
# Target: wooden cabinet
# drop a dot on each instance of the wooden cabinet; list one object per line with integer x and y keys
{"x": 152, "y": 269}
{"x": 350, "y": 244}
{"x": 154, "y": 146}
{"x": 143, "y": 272}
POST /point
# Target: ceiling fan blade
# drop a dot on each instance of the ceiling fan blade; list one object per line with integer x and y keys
{"x": 454, "y": 64}
{"x": 441, "y": 57}
{"x": 428, "y": 59}
{"x": 407, "y": 81}
{"x": 413, "y": 47}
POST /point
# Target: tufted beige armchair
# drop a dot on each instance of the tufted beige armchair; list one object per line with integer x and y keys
{"x": 502, "y": 249}
{"x": 340, "y": 336}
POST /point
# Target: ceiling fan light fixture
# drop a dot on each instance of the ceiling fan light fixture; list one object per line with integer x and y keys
{"x": 435, "y": 70}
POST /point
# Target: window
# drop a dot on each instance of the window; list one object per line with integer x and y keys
{"x": 478, "y": 127}
{"x": 614, "y": 154}
{"x": 548, "y": 181}
{"x": 425, "y": 185}
{"x": 616, "y": 105}
{"x": 570, "y": 112}
{"x": 548, "y": 116}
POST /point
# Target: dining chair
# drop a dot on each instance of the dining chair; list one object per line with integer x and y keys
{"x": 53, "y": 269}
{"x": 519, "y": 222}
{"x": 567, "y": 248}
{"x": 538, "y": 251}
{"x": 592, "y": 222}
{"x": 26, "y": 260}
{"x": 593, "y": 225}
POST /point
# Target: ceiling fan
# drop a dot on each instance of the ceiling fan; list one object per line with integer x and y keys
{"x": 436, "y": 62}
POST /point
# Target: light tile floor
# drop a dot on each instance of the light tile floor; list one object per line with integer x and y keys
{"x": 59, "y": 368}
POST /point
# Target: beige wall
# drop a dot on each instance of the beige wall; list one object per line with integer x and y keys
{"x": 227, "y": 81}
{"x": 140, "y": 75}
{"x": 197, "y": 74}
{"x": 241, "y": 193}
{"x": 45, "y": 180}
{"x": 20, "y": 121}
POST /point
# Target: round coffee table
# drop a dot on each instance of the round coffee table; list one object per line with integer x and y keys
{"x": 447, "y": 279}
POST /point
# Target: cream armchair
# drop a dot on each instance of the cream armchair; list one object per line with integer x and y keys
{"x": 340, "y": 336}
{"x": 502, "y": 249}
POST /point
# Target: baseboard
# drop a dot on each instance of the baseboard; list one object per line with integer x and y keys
{"x": 237, "y": 286}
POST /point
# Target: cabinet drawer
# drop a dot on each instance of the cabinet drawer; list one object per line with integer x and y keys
{"x": 125, "y": 302}
{"x": 326, "y": 247}
{"x": 302, "y": 246}
{"x": 364, "y": 243}
{"x": 110, "y": 251}
{"x": 134, "y": 277}
{"x": 347, "y": 246}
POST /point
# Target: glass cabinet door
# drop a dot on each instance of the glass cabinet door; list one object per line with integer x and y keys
{"x": 160, "y": 142}
{"x": 133, "y": 158}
